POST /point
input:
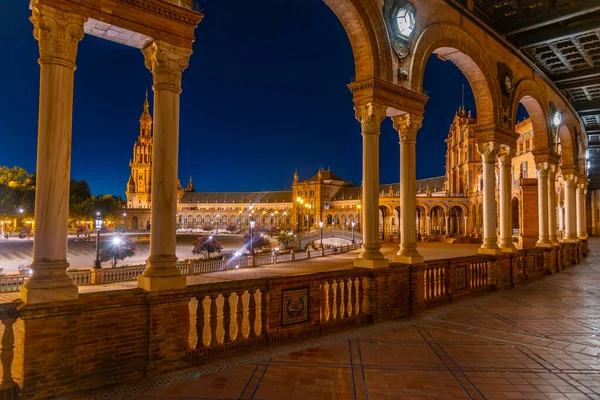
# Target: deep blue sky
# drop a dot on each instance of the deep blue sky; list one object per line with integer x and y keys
{"x": 265, "y": 93}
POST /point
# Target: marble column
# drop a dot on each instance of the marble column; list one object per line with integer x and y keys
{"x": 542, "y": 176}
{"x": 581, "y": 217}
{"x": 506, "y": 228}
{"x": 552, "y": 229}
{"x": 407, "y": 126}
{"x": 370, "y": 116}
{"x": 570, "y": 233}
{"x": 166, "y": 62}
{"x": 58, "y": 34}
{"x": 489, "y": 152}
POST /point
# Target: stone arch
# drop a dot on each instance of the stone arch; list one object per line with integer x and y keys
{"x": 567, "y": 145}
{"x": 437, "y": 204}
{"x": 464, "y": 208}
{"x": 458, "y": 46}
{"x": 530, "y": 95}
{"x": 366, "y": 29}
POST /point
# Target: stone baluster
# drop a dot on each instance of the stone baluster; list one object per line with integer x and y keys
{"x": 407, "y": 126}
{"x": 58, "y": 34}
{"x": 489, "y": 152}
{"x": 252, "y": 313}
{"x": 338, "y": 300}
{"x": 323, "y": 301}
{"x": 263, "y": 313}
{"x": 200, "y": 323}
{"x": 361, "y": 296}
{"x": 370, "y": 116}
{"x": 506, "y": 228}
{"x": 330, "y": 298}
{"x": 7, "y": 353}
{"x": 226, "y": 318}
{"x": 346, "y": 297}
{"x": 166, "y": 62}
{"x": 239, "y": 312}
{"x": 353, "y": 285}
{"x": 213, "y": 320}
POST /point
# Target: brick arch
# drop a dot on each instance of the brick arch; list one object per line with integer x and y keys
{"x": 530, "y": 95}
{"x": 461, "y": 206}
{"x": 365, "y": 27}
{"x": 459, "y": 47}
{"x": 441, "y": 205}
{"x": 567, "y": 144}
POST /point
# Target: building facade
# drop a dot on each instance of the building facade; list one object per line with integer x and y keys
{"x": 448, "y": 207}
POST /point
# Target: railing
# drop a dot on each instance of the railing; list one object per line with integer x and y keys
{"x": 8, "y": 317}
{"x": 436, "y": 280}
{"x": 309, "y": 237}
{"x": 13, "y": 283}
{"x": 529, "y": 263}
{"x": 342, "y": 298}
{"x": 226, "y": 318}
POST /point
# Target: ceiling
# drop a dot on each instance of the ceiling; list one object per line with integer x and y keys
{"x": 562, "y": 37}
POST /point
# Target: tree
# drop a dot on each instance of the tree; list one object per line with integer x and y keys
{"x": 232, "y": 228}
{"x": 285, "y": 238}
{"x": 206, "y": 244}
{"x": 259, "y": 241}
{"x": 118, "y": 248}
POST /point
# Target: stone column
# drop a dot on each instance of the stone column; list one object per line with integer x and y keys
{"x": 581, "y": 217}
{"x": 552, "y": 205}
{"x": 489, "y": 152}
{"x": 58, "y": 34}
{"x": 570, "y": 182}
{"x": 506, "y": 228}
{"x": 407, "y": 127}
{"x": 370, "y": 116}
{"x": 166, "y": 62}
{"x": 543, "y": 236}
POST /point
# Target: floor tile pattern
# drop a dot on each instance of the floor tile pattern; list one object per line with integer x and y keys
{"x": 538, "y": 341}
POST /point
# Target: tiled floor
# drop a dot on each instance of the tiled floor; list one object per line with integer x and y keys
{"x": 537, "y": 341}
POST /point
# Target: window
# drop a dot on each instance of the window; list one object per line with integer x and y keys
{"x": 406, "y": 23}
{"x": 528, "y": 143}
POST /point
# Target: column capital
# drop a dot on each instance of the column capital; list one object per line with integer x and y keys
{"x": 542, "y": 170}
{"x": 569, "y": 179}
{"x": 552, "y": 171}
{"x": 166, "y": 62}
{"x": 505, "y": 156}
{"x": 58, "y": 34}
{"x": 370, "y": 116}
{"x": 489, "y": 152}
{"x": 407, "y": 126}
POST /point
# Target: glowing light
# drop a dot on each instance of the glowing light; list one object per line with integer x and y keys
{"x": 557, "y": 119}
{"x": 117, "y": 241}
{"x": 406, "y": 22}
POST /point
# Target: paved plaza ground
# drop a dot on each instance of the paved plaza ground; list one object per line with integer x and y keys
{"x": 537, "y": 341}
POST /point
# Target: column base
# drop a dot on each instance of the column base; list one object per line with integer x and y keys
{"x": 372, "y": 264}
{"x": 509, "y": 249}
{"x": 582, "y": 236}
{"x": 48, "y": 283}
{"x": 418, "y": 259}
{"x": 544, "y": 244}
{"x": 161, "y": 283}
{"x": 483, "y": 250}
{"x": 570, "y": 240}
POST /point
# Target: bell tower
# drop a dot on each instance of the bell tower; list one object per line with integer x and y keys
{"x": 139, "y": 187}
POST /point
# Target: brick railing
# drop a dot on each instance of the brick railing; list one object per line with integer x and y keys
{"x": 140, "y": 334}
{"x": 103, "y": 276}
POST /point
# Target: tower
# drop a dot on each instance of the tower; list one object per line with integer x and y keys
{"x": 139, "y": 187}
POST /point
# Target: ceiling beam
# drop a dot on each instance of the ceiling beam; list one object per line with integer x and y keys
{"x": 552, "y": 34}
{"x": 579, "y": 84}
{"x": 588, "y": 108}
{"x": 594, "y": 132}
{"x": 587, "y": 73}
{"x": 558, "y": 15}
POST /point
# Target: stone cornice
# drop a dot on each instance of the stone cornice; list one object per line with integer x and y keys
{"x": 495, "y": 133}
{"x": 387, "y": 94}
{"x": 156, "y": 19}
{"x": 546, "y": 155}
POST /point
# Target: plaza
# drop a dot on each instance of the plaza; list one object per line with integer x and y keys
{"x": 475, "y": 284}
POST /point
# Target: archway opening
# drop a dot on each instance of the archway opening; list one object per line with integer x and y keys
{"x": 516, "y": 217}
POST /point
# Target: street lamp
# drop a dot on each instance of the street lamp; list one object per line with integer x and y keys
{"x": 307, "y": 206}
{"x": 98, "y": 227}
{"x": 321, "y": 228}
{"x": 117, "y": 244}
{"x": 353, "y": 241}
{"x": 252, "y": 223}
{"x": 299, "y": 201}
{"x": 271, "y": 229}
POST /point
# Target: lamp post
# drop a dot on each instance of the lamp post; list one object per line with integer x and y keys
{"x": 98, "y": 227}
{"x": 299, "y": 201}
{"x": 321, "y": 233}
{"x": 353, "y": 241}
{"x": 271, "y": 229}
{"x": 117, "y": 245}
{"x": 308, "y": 224}
{"x": 252, "y": 223}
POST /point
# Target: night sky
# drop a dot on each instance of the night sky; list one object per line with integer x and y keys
{"x": 265, "y": 94}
